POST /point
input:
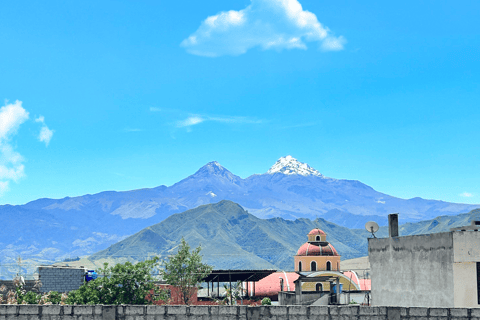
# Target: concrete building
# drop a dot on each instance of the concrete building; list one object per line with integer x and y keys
{"x": 431, "y": 270}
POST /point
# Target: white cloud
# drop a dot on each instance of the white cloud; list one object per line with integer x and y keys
{"x": 45, "y": 133}
{"x": 196, "y": 119}
{"x": 333, "y": 44}
{"x": 466, "y": 195}
{"x": 190, "y": 121}
{"x": 269, "y": 24}
{"x": 11, "y": 162}
{"x": 11, "y": 117}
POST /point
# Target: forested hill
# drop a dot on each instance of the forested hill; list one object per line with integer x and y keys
{"x": 232, "y": 238}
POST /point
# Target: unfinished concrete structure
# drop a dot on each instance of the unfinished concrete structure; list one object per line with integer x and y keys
{"x": 431, "y": 270}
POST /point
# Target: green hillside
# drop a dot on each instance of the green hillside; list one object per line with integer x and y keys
{"x": 231, "y": 238}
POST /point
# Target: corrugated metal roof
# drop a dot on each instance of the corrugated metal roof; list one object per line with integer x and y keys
{"x": 237, "y": 275}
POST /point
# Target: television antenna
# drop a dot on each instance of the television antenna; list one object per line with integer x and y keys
{"x": 371, "y": 226}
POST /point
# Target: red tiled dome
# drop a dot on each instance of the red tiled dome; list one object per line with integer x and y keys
{"x": 308, "y": 249}
{"x": 317, "y": 231}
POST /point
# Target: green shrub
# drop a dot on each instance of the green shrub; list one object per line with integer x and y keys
{"x": 266, "y": 301}
{"x": 54, "y": 297}
{"x": 31, "y": 297}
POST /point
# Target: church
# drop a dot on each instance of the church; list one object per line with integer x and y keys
{"x": 317, "y": 254}
{"x": 314, "y": 259}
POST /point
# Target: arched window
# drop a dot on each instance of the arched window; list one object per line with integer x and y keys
{"x": 329, "y": 265}
{"x": 299, "y": 265}
{"x": 313, "y": 266}
{"x": 318, "y": 238}
{"x": 318, "y": 287}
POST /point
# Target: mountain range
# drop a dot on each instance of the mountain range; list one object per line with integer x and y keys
{"x": 52, "y": 229}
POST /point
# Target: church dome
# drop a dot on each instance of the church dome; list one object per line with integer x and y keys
{"x": 310, "y": 249}
{"x": 317, "y": 231}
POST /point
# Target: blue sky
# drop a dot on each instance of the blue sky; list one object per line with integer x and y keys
{"x": 110, "y": 95}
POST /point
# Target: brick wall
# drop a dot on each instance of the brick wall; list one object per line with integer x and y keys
{"x": 61, "y": 279}
{"x": 99, "y": 312}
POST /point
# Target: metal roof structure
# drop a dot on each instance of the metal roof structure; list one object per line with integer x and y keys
{"x": 237, "y": 275}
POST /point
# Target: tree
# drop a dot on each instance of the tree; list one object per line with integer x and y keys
{"x": 185, "y": 270}
{"x": 122, "y": 284}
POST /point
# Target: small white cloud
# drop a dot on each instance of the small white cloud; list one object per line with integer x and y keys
{"x": 190, "y": 121}
{"x": 11, "y": 117}
{"x": 45, "y": 133}
{"x": 466, "y": 195}
{"x": 269, "y": 24}
{"x": 196, "y": 119}
{"x": 155, "y": 109}
{"x": 333, "y": 44}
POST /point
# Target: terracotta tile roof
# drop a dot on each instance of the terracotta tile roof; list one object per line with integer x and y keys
{"x": 310, "y": 249}
{"x": 317, "y": 231}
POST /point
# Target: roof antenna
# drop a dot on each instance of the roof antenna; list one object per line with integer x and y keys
{"x": 371, "y": 226}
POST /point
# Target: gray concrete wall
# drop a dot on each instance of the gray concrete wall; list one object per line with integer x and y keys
{"x": 466, "y": 248}
{"x": 61, "y": 279}
{"x": 99, "y": 312}
{"x": 412, "y": 271}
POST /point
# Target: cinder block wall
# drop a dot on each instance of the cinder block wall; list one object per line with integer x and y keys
{"x": 10, "y": 286}
{"x": 100, "y": 312}
{"x": 61, "y": 279}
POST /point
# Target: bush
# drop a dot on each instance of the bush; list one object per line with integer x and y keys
{"x": 266, "y": 301}
{"x": 31, "y": 297}
{"x": 54, "y": 297}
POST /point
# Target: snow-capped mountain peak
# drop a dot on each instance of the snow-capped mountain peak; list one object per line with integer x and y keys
{"x": 290, "y": 165}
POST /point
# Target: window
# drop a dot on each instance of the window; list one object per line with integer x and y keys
{"x": 300, "y": 266}
{"x": 318, "y": 238}
{"x": 313, "y": 266}
{"x": 478, "y": 282}
{"x": 318, "y": 287}
{"x": 329, "y": 265}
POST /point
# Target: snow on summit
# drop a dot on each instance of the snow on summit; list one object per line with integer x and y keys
{"x": 290, "y": 165}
